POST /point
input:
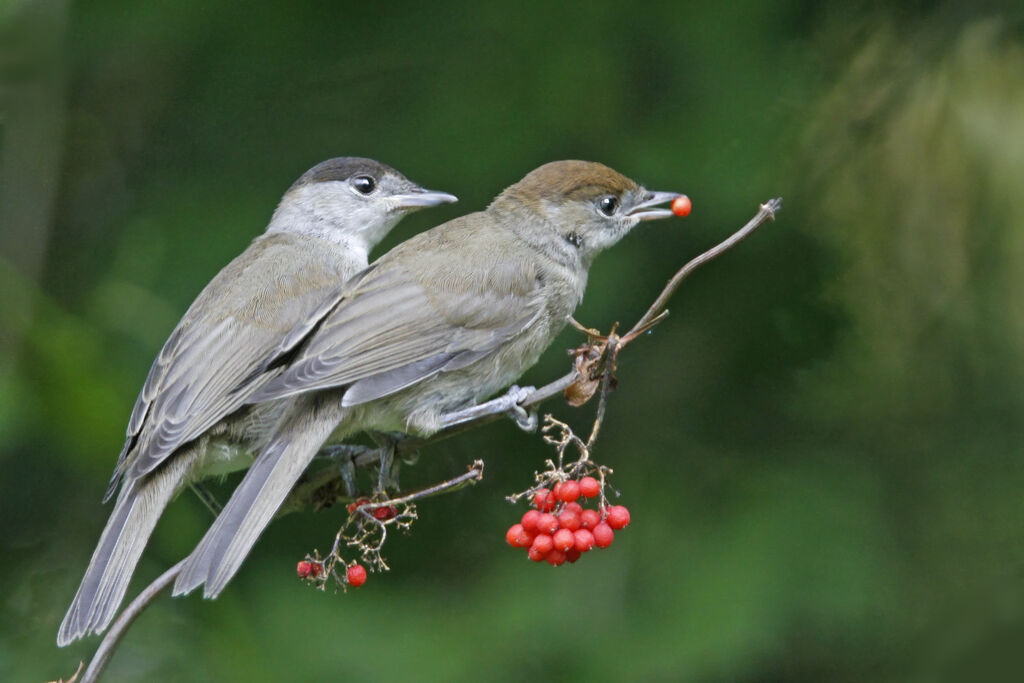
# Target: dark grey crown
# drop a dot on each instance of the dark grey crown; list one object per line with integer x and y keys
{"x": 342, "y": 168}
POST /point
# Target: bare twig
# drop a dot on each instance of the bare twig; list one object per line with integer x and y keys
{"x": 125, "y": 619}
{"x": 604, "y": 364}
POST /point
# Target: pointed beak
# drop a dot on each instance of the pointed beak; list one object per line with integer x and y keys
{"x": 645, "y": 210}
{"x": 420, "y": 198}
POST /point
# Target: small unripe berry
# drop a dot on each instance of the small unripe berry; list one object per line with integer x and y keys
{"x": 589, "y": 487}
{"x": 589, "y": 519}
{"x": 603, "y": 535}
{"x": 563, "y": 539}
{"x": 356, "y": 575}
{"x": 617, "y": 516}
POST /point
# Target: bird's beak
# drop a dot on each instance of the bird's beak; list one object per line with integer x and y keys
{"x": 644, "y": 210}
{"x": 419, "y": 198}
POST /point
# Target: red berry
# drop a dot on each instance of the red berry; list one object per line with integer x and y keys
{"x": 572, "y": 554}
{"x": 617, "y": 516}
{"x": 555, "y": 557}
{"x": 356, "y": 575}
{"x": 569, "y": 491}
{"x": 603, "y": 535}
{"x": 682, "y": 205}
{"x": 542, "y": 544}
{"x": 574, "y": 507}
{"x": 563, "y": 539}
{"x": 544, "y": 501}
{"x": 569, "y": 520}
{"x": 583, "y": 540}
{"x": 589, "y": 519}
{"x": 384, "y": 513}
{"x": 589, "y": 487}
{"x": 547, "y": 523}
{"x": 530, "y": 521}
{"x": 304, "y": 569}
{"x": 514, "y": 534}
{"x": 535, "y": 554}
{"x": 355, "y": 505}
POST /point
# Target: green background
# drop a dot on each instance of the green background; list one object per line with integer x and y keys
{"x": 821, "y": 447}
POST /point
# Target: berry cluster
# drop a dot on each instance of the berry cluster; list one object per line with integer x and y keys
{"x": 355, "y": 575}
{"x": 558, "y": 529}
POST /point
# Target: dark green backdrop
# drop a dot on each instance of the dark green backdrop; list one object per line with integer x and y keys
{"x": 821, "y": 447}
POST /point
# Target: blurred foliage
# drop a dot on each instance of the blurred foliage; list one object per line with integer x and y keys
{"x": 821, "y": 447}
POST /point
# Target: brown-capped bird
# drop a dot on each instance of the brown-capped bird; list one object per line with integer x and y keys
{"x": 440, "y": 322}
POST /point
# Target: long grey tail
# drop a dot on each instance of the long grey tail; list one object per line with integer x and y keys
{"x": 113, "y": 562}
{"x": 264, "y": 488}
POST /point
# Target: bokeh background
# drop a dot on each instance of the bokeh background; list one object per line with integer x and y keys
{"x": 821, "y": 447}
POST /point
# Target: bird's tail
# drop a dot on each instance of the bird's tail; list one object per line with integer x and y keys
{"x": 264, "y": 488}
{"x": 113, "y": 562}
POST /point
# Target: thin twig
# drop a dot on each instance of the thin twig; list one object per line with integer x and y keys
{"x": 125, "y": 619}
{"x": 305, "y": 491}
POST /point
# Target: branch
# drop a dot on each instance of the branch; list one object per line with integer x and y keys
{"x": 124, "y": 620}
{"x": 306, "y": 493}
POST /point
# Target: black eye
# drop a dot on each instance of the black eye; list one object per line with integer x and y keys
{"x": 608, "y": 204}
{"x": 364, "y": 184}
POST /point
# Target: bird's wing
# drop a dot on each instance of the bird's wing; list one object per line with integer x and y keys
{"x": 237, "y": 320}
{"x": 395, "y": 327}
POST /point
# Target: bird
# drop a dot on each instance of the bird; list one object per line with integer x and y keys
{"x": 443, "y": 320}
{"x": 188, "y": 422}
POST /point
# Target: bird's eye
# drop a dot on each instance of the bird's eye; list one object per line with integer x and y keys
{"x": 364, "y": 184}
{"x": 608, "y": 204}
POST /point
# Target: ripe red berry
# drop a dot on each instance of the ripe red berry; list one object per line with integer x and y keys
{"x": 530, "y": 521}
{"x": 354, "y": 505}
{"x": 385, "y": 513}
{"x": 583, "y": 540}
{"x": 547, "y": 523}
{"x": 535, "y": 554}
{"x": 569, "y": 520}
{"x": 544, "y": 501}
{"x": 515, "y": 536}
{"x": 603, "y": 535}
{"x": 589, "y": 519}
{"x": 574, "y": 507}
{"x": 555, "y": 557}
{"x": 681, "y": 205}
{"x": 572, "y": 554}
{"x": 356, "y": 575}
{"x": 542, "y": 543}
{"x": 568, "y": 491}
{"x": 563, "y": 539}
{"x": 617, "y": 516}
{"x": 304, "y": 569}
{"x": 589, "y": 487}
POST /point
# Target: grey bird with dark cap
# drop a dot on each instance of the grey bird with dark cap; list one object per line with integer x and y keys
{"x": 434, "y": 326}
{"x": 189, "y": 422}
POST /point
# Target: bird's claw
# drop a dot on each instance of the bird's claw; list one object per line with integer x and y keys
{"x": 524, "y": 419}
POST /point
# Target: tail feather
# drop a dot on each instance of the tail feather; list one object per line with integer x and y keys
{"x": 113, "y": 562}
{"x": 256, "y": 500}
